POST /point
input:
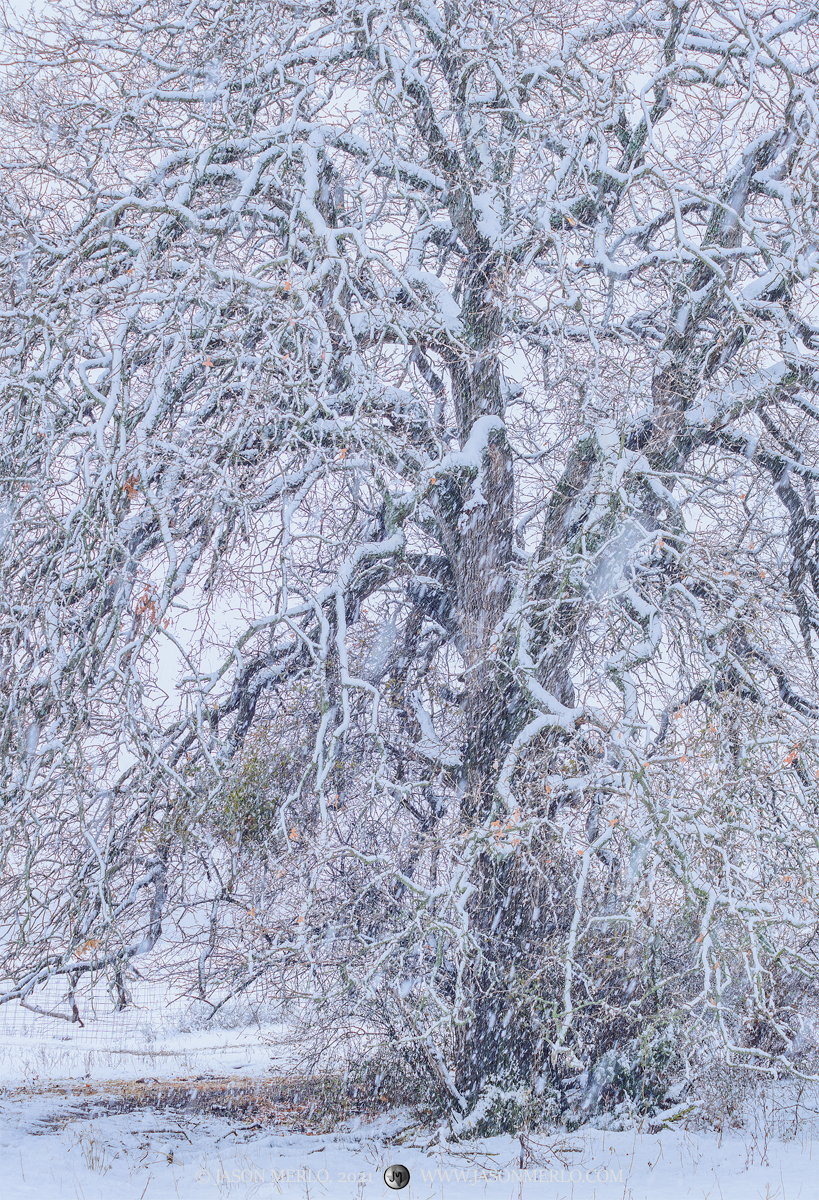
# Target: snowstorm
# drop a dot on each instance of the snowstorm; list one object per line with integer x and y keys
{"x": 409, "y": 599}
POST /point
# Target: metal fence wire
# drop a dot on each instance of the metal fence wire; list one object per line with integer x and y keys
{"x": 92, "y": 1017}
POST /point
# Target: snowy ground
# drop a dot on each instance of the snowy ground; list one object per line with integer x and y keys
{"x": 74, "y": 1123}
{"x": 50, "y": 1148}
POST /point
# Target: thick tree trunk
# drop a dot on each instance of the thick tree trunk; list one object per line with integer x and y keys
{"x": 494, "y": 1040}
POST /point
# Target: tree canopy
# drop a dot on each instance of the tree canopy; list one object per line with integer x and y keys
{"x": 408, "y": 596}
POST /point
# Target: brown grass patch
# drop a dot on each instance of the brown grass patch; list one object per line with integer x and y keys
{"x": 301, "y": 1105}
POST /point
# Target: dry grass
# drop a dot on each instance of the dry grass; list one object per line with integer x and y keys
{"x": 300, "y": 1105}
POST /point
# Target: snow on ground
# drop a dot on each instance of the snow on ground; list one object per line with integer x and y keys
{"x": 50, "y": 1149}
{"x": 33, "y": 1060}
{"x": 72, "y": 1124}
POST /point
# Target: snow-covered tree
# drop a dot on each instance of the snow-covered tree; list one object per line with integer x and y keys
{"x": 409, "y": 583}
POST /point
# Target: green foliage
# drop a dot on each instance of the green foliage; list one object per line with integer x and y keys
{"x": 505, "y": 1110}
{"x": 247, "y": 805}
{"x": 633, "y": 1080}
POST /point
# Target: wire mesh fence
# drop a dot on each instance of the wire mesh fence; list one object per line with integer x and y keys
{"x": 149, "y": 1014}
{"x": 156, "y": 1020}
